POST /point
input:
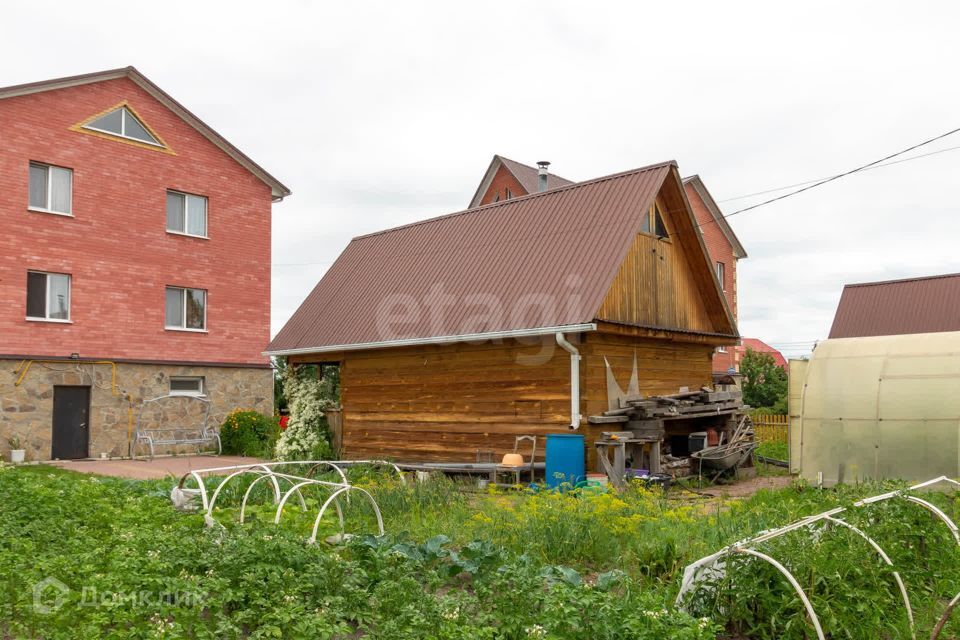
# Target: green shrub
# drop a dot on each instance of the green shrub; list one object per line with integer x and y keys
{"x": 249, "y": 433}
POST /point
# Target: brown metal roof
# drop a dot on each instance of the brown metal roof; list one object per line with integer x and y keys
{"x": 915, "y": 305}
{"x": 527, "y": 176}
{"x": 540, "y": 261}
{"x": 279, "y": 190}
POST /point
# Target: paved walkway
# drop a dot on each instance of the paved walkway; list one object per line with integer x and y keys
{"x": 151, "y": 469}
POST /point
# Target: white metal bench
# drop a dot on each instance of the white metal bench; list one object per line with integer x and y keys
{"x": 165, "y": 435}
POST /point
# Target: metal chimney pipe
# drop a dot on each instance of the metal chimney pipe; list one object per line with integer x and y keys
{"x": 542, "y": 184}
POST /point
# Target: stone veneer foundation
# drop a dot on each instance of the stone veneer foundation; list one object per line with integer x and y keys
{"x": 26, "y": 410}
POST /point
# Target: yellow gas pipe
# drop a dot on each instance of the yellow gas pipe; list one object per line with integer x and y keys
{"x": 25, "y": 365}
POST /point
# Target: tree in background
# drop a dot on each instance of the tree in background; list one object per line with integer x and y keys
{"x": 764, "y": 383}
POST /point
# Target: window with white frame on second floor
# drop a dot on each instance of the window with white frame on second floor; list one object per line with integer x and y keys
{"x": 721, "y": 275}
{"x": 51, "y": 189}
{"x": 186, "y": 214}
{"x": 48, "y": 296}
{"x": 186, "y": 309}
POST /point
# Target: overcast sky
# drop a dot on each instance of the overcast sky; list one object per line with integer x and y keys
{"x": 377, "y": 114}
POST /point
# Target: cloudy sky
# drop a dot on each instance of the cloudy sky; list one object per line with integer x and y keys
{"x": 377, "y": 114}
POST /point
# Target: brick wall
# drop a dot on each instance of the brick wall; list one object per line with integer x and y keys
{"x": 116, "y": 247}
{"x": 502, "y": 180}
{"x": 720, "y": 250}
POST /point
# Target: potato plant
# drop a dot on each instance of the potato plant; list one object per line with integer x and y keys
{"x": 455, "y": 564}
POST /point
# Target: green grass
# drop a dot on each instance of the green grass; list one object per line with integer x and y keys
{"x": 775, "y": 450}
{"x": 455, "y": 564}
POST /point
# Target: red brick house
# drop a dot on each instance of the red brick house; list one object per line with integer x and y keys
{"x": 725, "y": 251}
{"x": 506, "y": 179}
{"x": 760, "y": 346}
{"x": 135, "y": 262}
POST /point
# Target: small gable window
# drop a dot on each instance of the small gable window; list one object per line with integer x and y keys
{"x": 121, "y": 122}
{"x": 653, "y": 222}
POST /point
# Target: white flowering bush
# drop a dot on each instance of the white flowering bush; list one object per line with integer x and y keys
{"x": 306, "y": 436}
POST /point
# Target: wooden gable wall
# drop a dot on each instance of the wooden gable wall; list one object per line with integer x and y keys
{"x": 668, "y": 283}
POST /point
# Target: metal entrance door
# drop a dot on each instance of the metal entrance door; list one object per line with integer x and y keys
{"x": 71, "y": 422}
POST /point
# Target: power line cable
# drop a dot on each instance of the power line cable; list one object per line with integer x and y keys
{"x": 842, "y": 175}
{"x": 809, "y": 185}
{"x": 806, "y": 182}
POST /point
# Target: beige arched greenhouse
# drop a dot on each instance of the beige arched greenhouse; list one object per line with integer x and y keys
{"x": 877, "y": 407}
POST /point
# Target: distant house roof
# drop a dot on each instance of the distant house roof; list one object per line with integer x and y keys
{"x": 762, "y": 347}
{"x": 527, "y": 176}
{"x": 525, "y": 266}
{"x": 697, "y": 183}
{"x": 278, "y": 189}
{"x": 915, "y": 305}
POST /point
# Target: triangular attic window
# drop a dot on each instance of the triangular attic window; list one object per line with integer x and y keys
{"x": 121, "y": 122}
{"x": 653, "y": 222}
{"x": 659, "y": 227}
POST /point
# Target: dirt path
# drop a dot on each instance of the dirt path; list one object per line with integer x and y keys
{"x": 746, "y": 488}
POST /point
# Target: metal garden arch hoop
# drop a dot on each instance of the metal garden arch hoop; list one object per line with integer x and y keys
{"x": 695, "y": 571}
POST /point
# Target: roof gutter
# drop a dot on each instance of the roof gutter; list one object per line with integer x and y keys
{"x": 466, "y": 337}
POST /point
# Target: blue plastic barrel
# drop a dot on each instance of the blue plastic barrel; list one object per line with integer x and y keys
{"x": 565, "y": 461}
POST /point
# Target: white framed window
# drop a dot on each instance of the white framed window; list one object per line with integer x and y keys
{"x": 121, "y": 122}
{"x": 721, "y": 349}
{"x": 51, "y": 189}
{"x": 186, "y": 309}
{"x": 721, "y": 275}
{"x": 186, "y": 386}
{"x": 48, "y": 296}
{"x": 186, "y": 214}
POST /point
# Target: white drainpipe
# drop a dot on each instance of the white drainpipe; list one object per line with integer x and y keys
{"x": 574, "y": 380}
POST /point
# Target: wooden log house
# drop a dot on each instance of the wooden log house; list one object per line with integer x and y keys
{"x": 456, "y": 334}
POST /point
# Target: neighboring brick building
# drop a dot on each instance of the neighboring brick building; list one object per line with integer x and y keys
{"x": 753, "y": 344}
{"x": 132, "y": 235}
{"x": 505, "y": 179}
{"x": 725, "y": 251}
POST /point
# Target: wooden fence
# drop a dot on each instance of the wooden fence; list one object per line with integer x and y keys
{"x": 771, "y": 428}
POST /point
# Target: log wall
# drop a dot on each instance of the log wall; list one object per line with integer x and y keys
{"x": 444, "y": 402}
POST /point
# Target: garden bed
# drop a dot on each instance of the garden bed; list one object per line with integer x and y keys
{"x": 454, "y": 564}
